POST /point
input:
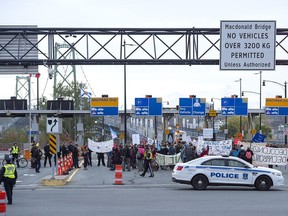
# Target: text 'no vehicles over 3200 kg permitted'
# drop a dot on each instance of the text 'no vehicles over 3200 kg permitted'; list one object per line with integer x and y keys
{"x": 246, "y": 45}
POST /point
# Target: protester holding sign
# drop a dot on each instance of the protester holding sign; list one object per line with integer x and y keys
{"x": 248, "y": 155}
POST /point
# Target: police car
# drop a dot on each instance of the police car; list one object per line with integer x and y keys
{"x": 225, "y": 170}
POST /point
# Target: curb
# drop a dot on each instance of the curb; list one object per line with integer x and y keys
{"x": 59, "y": 180}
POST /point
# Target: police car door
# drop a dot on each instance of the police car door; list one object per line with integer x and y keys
{"x": 241, "y": 173}
{"x": 216, "y": 171}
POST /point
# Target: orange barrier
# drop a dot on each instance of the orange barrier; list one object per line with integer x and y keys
{"x": 2, "y": 203}
{"x": 27, "y": 154}
{"x": 60, "y": 168}
{"x": 118, "y": 175}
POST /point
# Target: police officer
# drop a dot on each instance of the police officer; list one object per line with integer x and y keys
{"x": 15, "y": 153}
{"x": 8, "y": 175}
{"x": 147, "y": 162}
{"x": 47, "y": 154}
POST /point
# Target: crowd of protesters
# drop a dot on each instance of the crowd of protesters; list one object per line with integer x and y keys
{"x": 130, "y": 156}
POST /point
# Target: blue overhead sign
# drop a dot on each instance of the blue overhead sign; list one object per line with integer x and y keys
{"x": 103, "y": 111}
{"x": 104, "y": 106}
{"x": 276, "y": 106}
{"x": 234, "y": 106}
{"x": 192, "y": 106}
{"x": 148, "y": 106}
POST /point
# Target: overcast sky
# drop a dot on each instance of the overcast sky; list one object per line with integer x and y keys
{"x": 168, "y": 82}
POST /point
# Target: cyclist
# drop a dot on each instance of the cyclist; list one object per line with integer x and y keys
{"x": 15, "y": 153}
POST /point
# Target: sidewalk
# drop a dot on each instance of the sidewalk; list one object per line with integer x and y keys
{"x": 102, "y": 176}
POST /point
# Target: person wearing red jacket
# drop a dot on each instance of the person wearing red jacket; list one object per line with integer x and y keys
{"x": 204, "y": 152}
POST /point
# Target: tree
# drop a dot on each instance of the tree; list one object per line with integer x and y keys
{"x": 234, "y": 127}
{"x": 69, "y": 125}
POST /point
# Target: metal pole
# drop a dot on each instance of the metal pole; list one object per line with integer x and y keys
{"x": 37, "y": 93}
{"x": 240, "y": 81}
{"x": 125, "y": 108}
{"x": 285, "y": 89}
{"x": 226, "y": 127}
{"x": 156, "y": 134}
{"x": 103, "y": 129}
{"x": 30, "y": 115}
{"x": 260, "y": 104}
{"x": 213, "y": 122}
{"x": 198, "y": 128}
{"x": 164, "y": 128}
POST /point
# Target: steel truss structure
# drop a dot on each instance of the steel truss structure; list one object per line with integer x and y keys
{"x": 104, "y": 46}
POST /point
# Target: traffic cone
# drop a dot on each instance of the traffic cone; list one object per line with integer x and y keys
{"x": 63, "y": 166}
{"x": 66, "y": 165}
{"x": 60, "y": 170}
{"x": 118, "y": 175}
{"x": 2, "y": 203}
{"x": 71, "y": 161}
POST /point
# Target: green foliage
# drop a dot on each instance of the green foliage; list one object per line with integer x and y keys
{"x": 69, "y": 125}
{"x": 234, "y": 127}
{"x": 14, "y": 135}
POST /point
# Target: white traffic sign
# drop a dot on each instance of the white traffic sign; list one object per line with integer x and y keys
{"x": 247, "y": 45}
{"x": 54, "y": 125}
{"x": 207, "y": 133}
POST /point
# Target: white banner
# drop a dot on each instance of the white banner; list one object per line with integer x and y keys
{"x": 100, "y": 147}
{"x": 165, "y": 160}
{"x": 136, "y": 139}
{"x": 208, "y": 133}
{"x": 268, "y": 155}
{"x": 222, "y": 147}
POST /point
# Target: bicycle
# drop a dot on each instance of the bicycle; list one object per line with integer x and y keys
{"x": 23, "y": 162}
{"x": 154, "y": 165}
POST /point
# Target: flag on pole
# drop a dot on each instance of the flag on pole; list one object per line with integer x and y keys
{"x": 113, "y": 133}
{"x": 85, "y": 93}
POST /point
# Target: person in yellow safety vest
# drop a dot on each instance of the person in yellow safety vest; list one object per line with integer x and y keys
{"x": 148, "y": 156}
{"x": 8, "y": 176}
{"x": 15, "y": 153}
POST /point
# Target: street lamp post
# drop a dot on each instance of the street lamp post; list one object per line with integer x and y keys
{"x": 260, "y": 102}
{"x": 125, "y": 95}
{"x": 213, "y": 120}
{"x": 285, "y": 95}
{"x": 125, "y": 103}
{"x": 240, "y": 95}
{"x": 260, "y": 121}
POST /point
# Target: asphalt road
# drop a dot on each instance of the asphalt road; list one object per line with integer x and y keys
{"x": 92, "y": 192}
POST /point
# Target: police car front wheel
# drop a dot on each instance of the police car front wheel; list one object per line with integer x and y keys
{"x": 263, "y": 183}
{"x": 199, "y": 182}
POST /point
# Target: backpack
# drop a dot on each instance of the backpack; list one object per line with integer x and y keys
{"x": 248, "y": 154}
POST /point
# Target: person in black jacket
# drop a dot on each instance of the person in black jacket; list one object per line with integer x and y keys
{"x": 47, "y": 154}
{"x": 37, "y": 154}
{"x": 75, "y": 156}
{"x": 8, "y": 176}
{"x": 64, "y": 150}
